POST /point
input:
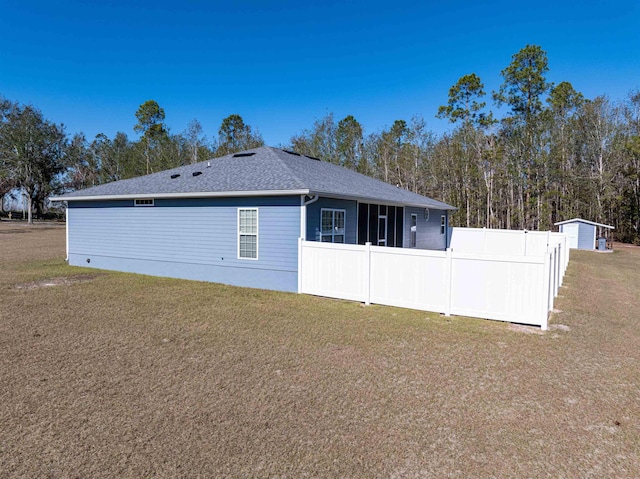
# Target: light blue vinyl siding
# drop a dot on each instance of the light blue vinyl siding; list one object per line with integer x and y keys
{"x": 351, "y": 218}
{"x": 586, "y": 236}
{"x": 428, "y": 234}
{"x": 189, "y": 238}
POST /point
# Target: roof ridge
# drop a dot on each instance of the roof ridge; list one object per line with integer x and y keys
{"x": 276, "y": 153}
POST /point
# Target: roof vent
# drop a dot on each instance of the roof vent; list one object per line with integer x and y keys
{"x": 240, "y": 155}
{"x": 174, "y": 176}
{"x": 196, "y": 173}
{"x": 291, "y": 152}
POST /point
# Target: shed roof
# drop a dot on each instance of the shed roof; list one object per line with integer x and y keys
{"x": 263, "y": 171}
{"x": 580, "y": 220}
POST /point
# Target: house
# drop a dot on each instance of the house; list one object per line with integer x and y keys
{"x": 237, "y": 219}
{"x": 582, "y": 233}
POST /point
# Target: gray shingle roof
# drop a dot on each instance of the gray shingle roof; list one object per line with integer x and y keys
{"x": 268, "y": 171}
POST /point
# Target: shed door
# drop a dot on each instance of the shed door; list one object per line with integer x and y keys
{"x": 572, "y": 231}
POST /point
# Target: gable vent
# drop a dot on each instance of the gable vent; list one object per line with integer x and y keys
{"x": 241, "y": 155}
{"x": 291, "y": 152}
{"x": 177, "y": 175}
{"x": 196, "y": 173}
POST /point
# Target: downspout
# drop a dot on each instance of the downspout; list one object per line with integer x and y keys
{"x": 303, "y": 233}
{"x": 447, "y": 239}
{"x": 303, "y": 214}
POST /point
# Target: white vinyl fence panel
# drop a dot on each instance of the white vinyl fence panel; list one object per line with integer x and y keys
{"x": 508, "y": 242}
{"x": 516, "y": 280}
{"x": 506, "y": 288}
{"x": 409, "y": 278}
{"x": 511, "y": 242}
{"x": 334, "y": 270}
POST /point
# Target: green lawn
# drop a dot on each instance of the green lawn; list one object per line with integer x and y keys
{"x": 115, "y": 375}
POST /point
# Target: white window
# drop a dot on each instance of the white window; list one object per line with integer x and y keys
{"x": 414, "y": 229}
{"x": 332, "y": 225}
{"x": 144, "y": 202}
{"x": 248, "y": 233}
{"x": 443, "y": 224}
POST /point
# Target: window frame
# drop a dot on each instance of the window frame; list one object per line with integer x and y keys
{"x": 143, "y": 202}
{"x": 241, "y": 233}
{"x": 443, "y": 224}
{"x": 334, "y": 233}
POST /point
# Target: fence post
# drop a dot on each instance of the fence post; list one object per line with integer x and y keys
{"x": 447, "y": 282}
{"x": 367, "y": 273}
{"x": 551, "y": 287}
{"x": 561, "y": 262}
{"x": 554, "y": 274}
{"x": 548, "y": 239}
{"x": 554, "y": 268}
{"x": 66, "y": 228}
{"x": 300, "y": 272}
{"x": 544, "y": 314}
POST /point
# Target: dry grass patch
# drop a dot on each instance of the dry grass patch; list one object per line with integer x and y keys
{"x": 57, "y": 281}
{"x": 135, "y": 376}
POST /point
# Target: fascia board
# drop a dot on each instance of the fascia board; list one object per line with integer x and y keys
{"x": 207, "y": 194}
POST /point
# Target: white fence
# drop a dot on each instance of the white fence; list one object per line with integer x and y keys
{"x": 516, "y": 243}
{"x": 508, "y": 287}
{"x": 509, "y": 242}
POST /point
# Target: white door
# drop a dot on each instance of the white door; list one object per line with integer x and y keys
{"x": 572, "y": 231}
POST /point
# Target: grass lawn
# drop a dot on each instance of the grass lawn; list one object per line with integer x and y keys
{"x": 108, "y": 374}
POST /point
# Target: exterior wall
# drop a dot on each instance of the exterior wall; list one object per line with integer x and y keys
{"x": 586, "y": 236}
{"x": 428, "y": 235}
{"x": 350, "y": 219}
{"x": 188, "y": 238}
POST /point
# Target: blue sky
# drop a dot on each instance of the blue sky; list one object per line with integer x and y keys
{"x": 282, "y": 65}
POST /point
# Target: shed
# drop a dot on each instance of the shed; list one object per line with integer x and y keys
{"x": 237, "y": 219}
{"x": 583, "y": 234}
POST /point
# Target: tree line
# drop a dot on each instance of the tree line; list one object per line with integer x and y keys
{"x": 553, "y": 155}
{"x": 38, "y": 159}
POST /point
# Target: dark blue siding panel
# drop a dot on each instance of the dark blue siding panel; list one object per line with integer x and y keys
{"x": 192, "y": 239}
{"x": 586, "y": 235}
{"x": 428, "y": 234}
{"x": 351, "y": 218}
